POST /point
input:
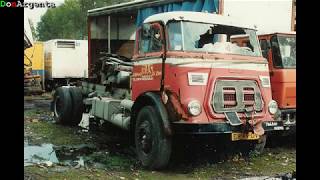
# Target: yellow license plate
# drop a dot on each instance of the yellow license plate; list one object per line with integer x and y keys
{"x": 244, "y": 136}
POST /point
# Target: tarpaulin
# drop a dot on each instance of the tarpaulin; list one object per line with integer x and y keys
{"x": 211, "y": 6}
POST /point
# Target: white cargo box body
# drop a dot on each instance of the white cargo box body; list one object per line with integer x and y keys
{"x": 66, "y": 58}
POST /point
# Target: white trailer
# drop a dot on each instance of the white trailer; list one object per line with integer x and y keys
{"x": 65, "y": 61}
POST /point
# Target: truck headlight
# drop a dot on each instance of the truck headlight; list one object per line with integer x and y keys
{"x": 273, "y": 106}
{"x": 194, "y": 108}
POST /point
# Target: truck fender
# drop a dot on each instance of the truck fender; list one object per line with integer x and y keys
{"x": 154, "y": 99}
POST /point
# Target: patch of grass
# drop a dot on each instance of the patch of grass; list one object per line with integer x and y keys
{"x": 78, "y": 174}
{"x": 280, "y": 161}
{"x": 33, "y": 113}
{"x": 119, "y": 162}
{"x": 44, "y": 132}
{"x": 46, "y": 95}
{"x": 113, "y": 161}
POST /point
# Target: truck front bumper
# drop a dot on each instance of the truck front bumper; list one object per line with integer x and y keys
{"x": 220, "y": 128}
{"x": 288, "y": 117}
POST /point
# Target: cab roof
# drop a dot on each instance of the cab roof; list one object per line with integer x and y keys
{"x": 198, "y": 17}
{"x": 283, "y": 33}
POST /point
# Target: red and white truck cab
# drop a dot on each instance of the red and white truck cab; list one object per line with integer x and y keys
{"x": 207, "y": 78}
{"x": 186, "y": 77}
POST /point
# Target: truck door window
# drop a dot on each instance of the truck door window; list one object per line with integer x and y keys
{"x": 264, "y": 48}
{"x": 150, "y": 39}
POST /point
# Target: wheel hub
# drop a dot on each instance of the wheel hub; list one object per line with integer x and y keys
{"x": 145, "y": 139}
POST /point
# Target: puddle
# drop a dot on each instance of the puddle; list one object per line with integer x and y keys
{"x": 39, "y": 154}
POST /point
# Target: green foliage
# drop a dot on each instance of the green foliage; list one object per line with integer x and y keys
{"x": 69, "y": 21}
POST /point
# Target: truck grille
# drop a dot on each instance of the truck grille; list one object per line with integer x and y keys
{"x": 236, "y": 96}
{"x": 229, "y": 97}
{"x": 248, "y": 97}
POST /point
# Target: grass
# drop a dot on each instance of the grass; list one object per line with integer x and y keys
{"x": 271, "y": 162}
{"x": 44, "y": 132}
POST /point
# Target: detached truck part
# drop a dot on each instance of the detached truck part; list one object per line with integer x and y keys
{"x": 280, "y": 51}
{"x": 185, "y": 77}
{"x": 66, "y": 61}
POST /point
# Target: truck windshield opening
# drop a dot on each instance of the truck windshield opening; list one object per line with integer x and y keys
{"x": 211, "y": 38}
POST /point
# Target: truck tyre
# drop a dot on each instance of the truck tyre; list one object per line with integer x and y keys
{"x": 152, "y": 146}
{"x": 77, "y": 105}
{"x": 62, "y": 105}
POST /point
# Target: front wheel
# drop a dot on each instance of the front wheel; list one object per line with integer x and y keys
{"x": 152, "y": 146}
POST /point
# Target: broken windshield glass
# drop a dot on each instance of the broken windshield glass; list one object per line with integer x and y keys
{"x": 211, "y": 38}
{"x": 284, "y": 51}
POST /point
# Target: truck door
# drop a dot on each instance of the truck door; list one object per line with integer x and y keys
{"x": 147, "y": 70}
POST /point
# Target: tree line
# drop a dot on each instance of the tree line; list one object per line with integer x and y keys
{"x": 69, "y": 20}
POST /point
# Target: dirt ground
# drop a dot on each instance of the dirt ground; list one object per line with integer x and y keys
{"x": 106, "y": 153}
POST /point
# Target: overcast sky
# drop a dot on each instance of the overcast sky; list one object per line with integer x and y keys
{"x": 36, "y": 13}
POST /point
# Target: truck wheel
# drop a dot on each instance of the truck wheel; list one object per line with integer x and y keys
{"x": 77, "y": 105}
{"x": 62, "y": 105}
{"x": 152, "y": 146}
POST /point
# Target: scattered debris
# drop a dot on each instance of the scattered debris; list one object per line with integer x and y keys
{"x": 48, "y": 163}
{"x": 286, "y": 176}
{"x": 80, "y": 163}
{"x": 35, "y": 120}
